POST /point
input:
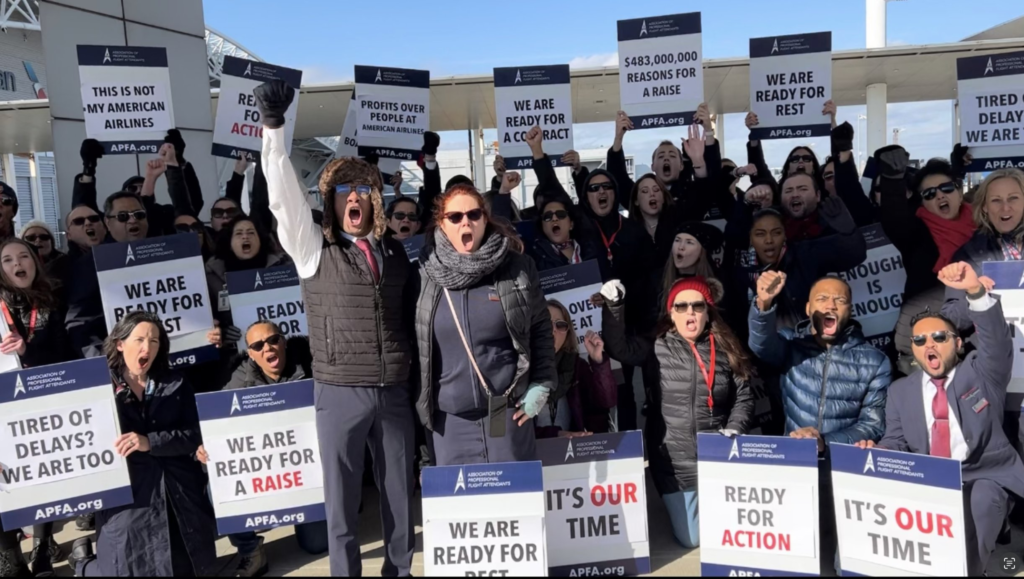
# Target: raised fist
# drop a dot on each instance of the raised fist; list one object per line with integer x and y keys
{"x": 760, "y": 196}
{"x": 892, "y": 161}
{"x": 499, "y": 165}
{"x": 273, "y": 99}
{"x": 509, "y": 182}
{"x": 431, "y": 141}
{"x": 622, "y": 124}
{"x": 961, "y": 276}
{"x": 769, "y": 286}
{"x": 91, "y": 151}
{"x": 751, "y": 120}
{"x": 535, "y": 139}
{"x": 834, "y": 213}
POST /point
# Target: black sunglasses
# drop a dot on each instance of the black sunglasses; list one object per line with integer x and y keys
{"x": 553, "y": 215}
{"x": 39, "y": 237}
{"x": 223, "y": 212}
{"x": 272, "y": 340}
{"x": 930, "y": 193}
{"x": 561, "y": 325}
{"x": 361, "y": 190}
{"x": 595, "y": 187}
{"x": 938, "y": 337}
{"x": 799, "y": 158}
{"x": 196, "y": 227}
{"x": 683, "y": 307}
{"x": 401, "y": 215}
{"x": 6, "y": 201}
{"x": 80, "y": 221}
{"x": 124, "y": 216}
{"x": 456, "y": 216}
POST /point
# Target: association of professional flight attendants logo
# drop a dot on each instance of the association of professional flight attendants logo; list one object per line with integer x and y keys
{"x": 106, "y": 56}
{"x": 235, "y": 406}
{"x": 19, "y": 386}
{"x": 1021, "y": 282}
{"x": 569, "y": 453}
{"x": 519, "y": 79}
{"x": 734, "y": 452}
{"x": 460, "y": 483}
{"x": 775, "y": 46}
{"x": 259, "y": 282}
{"x": 988, "y": 67}
{"x": 248, "y": 70}
{"x": 129, "y": 256}
{"x": 870, "y": 463}
{"x": 643, "y": 28}
{"x": 378, "y": 79}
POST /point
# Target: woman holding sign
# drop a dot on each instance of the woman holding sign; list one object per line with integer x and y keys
{"x": 169, "y": 529}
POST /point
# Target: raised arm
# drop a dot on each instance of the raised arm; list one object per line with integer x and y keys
{"x": 547, "y": 180}
{"x": 236, "y": 184}
{"x": 616, "y": 160}
{"x": 84, "y": 192}
{"x": 848, "y": 186}
{"x": 431, "y": 176}
{"x": 628, "y": 349}
{"x": 755, "y": 154}
{"x": 765, "y": 341}
{"x": 842, "y": 251}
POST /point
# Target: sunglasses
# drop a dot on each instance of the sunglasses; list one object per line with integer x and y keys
{"x": 801, "y": 158}
{"x": 39, "y": 237}
{"x": 560, "y": 325}
{"x": 6, "y": 201}
{"x": 930, "y": 193}
{"x": 361, "y": 190}
{"x": 595, "y": 187}
{"x": 456, "y": 216}
{"x": 223, "y": 212}
{"x": 402, "y": 216}
{"x": 937, "y": 337}
{"x": 80, "y": 221}
{"x": 272, "y": 340}
{"x": 196, "y": 227}
{"x": 554, "y": 215}
{"x": 683, "y": 307}
{"x": 124, "y": 216}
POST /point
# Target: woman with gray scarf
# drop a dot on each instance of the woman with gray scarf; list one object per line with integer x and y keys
{"x": 487, "y": 362}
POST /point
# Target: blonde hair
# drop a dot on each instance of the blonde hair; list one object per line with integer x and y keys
{"x": 981, "y": 200}
{"x": 571, "y": 344}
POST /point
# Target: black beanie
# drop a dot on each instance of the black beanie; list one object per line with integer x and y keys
{"x": 7, "y": 191}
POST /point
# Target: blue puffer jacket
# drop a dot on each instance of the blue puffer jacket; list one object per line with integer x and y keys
{"x": 839, "y": 390}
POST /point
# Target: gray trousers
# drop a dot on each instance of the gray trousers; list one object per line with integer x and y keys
{"x": 348, "y": 420}
{"x": 986, "y": 505}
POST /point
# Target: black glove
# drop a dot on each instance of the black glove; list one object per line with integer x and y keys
{"x": 174, "y": 138}
{"x": 834, "y": 213}
{"x": 431, "y": 141}
{"x": 372, "y": 158}
{"x": 842, "y": 137}
{"x": 91, "y": 151}
{"x": 956, "y": 159}
{"x": 273, "y": 99}
{"x": 892, "y": 161}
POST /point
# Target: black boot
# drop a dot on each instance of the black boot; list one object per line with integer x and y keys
{"x": 41, "y": 564}
{"x": 81, "y": 550}
{"x": 12, "y": 563}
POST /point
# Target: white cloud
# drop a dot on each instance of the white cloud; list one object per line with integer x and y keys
{"x": 595, "y": 60}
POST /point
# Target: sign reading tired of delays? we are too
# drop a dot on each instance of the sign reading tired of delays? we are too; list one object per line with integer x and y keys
{"x": 990, "y": 92}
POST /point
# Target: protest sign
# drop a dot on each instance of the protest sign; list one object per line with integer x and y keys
{"x": 271, "y": 294}
{"x": 1009, "y": 278}
{"x": 531, "y": 96}
{"x": 898, "y": 513}
{"x": 790, "y": 82}
{"x": 348, "y": 144}
{"x": 58, "y": 425}
{"x": 484, "y": 519}
{"x": 165, "y": 276}
{"x": 238, "y": 129}
{"x": 877, "y": 286}
{"x": 392, "y": 110}
{"x": 126, "y": 97}
{"x": 596, "y": 522}
{"x": 661, "y": 75}
{"x": 10, "y": 361}
{"x": 413, "y": 245}
{"x": 572, "y": 285}
{"x": 264, "y": 465}
{"x": 758, "y": 504}
{"x": 990, "y": 90}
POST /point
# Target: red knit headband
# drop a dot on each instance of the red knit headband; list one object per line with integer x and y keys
{"x": 697, "y": 284}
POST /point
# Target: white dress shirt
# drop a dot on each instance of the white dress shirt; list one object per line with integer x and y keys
{"x": 300, "y": 236}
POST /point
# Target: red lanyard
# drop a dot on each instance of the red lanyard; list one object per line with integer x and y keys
{"x": 10, "y": 321}
{"x": 709, "y": 376}
{"x": 608, "y": 242}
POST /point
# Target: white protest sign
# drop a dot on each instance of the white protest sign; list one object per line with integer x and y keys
{"x": 790, "y": 81}
{"x": 165, "y": 276}
{"x": 597, "y": 505}
{"x": 126, "y": 97}
{"x": 877, "y": 286}
{"x": 1008, "y": 276}
{"x": 392, "y": 110}
{"x": 348, "y": 146}
{"x": 661, "y": 75}
{"x": 530, "y": 96}
{"x": 10, "y": 361}
{"x": 58, "y": 424}
{"x": 273, "y": 294}
{"x": 898, "y": 513}
{"x": 572, "y": 286}
{"x": 990, "y": 90}
{"x": 264, "y": 465}
{"x": 238, "y": 128}
{"x": 484, "y": 519}
{"x": 758, "y": 505}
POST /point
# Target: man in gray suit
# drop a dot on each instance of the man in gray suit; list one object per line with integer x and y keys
{"x": 953, "y": 408}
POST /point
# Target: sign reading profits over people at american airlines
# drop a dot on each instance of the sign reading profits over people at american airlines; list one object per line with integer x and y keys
{"x": 264, "y": 465}
{"x": 877, "y": 286}
{"x": 530, "y": 96}
{"x": 348, "y": 143}
{"x": 758, "y": 505}
{"x": 484, "y": 520}
{"x": 1009, "y": 278}
{"x": 661, "y": 76}
{"x": 990, "y": 89}
{"x": 393, "y": 111}
{"x": 126, "y": 97}
{"x": 238, "y": 129}
{"x": 271, "y": 294}
{"x": 58, "y": 424}
{"x": 790, "y": 81}
{"x": 597, "y": 506}
{"x": 898, "y": 513}
{"x": 164, "y": 276}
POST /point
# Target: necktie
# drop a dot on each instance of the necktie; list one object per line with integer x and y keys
{"x": 940, "y": 428}
{"x": 370, "y": 259}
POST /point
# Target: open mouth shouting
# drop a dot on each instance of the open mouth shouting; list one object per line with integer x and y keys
{"x": 404, "y": 229}
{"x": 829, "y": 325}
{"x": 20, "y": 273}
{"x": 654, "y": 204}
{"x": 666, "y": 170}
{"x": 355, "y": 215}
{"x": 933, "y": 360}
{"x": 796, "y": 206}
{"x": 943, "y": 206}
{"x": 467, "y": 240}
{"x": 143, "y": 362}
{"x": 603, "y": 201}
{"x": 691, "y": 324}
{"x": 90, "y": 232}
{"x": 134, "y": 230}
{"x": 273, "y": 360}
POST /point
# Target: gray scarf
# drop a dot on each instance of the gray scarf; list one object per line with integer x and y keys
{"x": 455, "y": 271}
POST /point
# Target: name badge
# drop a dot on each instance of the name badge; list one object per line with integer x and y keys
{"x": 979, "y": 406}
{"x": 972, "y": 393}
{"x": 223, "y": 301}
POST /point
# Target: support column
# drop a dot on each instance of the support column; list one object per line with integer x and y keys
{"x": 479, "y": 164}
{"x": 720, "y": 136}
{"x": 877, "y": 131}
{"x": 874, "y": 22}
{"x": 955, "y": 110}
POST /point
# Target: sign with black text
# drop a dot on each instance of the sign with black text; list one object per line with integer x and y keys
{"x": 572, "y": 285}
{"x": 392, "y": 110}
{"x": 126, "y": 97}
{"x": 661, "y": 73}
{"x": 877, "y": 286}
{"x": 1008, "y": 276}
{"x": 348, "y": 144}
{"x": 238, "y": 128}
{"x": 272, "y": 294}
{"x": 990, "y": 90}
{"x": 59, "y": 424}
{"x": 531, "y": 96}
{"x": 790, "y": 81}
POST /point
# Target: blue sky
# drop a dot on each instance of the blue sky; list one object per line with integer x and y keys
{"x": 325, "y": 38}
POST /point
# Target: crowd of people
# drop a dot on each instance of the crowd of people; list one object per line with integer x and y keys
{"x": 459, "y": 358}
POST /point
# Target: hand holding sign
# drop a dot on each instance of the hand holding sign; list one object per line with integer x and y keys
{"x": 201, "y": 454}
{"x": 830, "y": 110}
{"x": 865, "y": 444}
{"x": 396, "y": 182}
{"x": 572, "y": 159}
{"x": 509, "y": 182}
{"x": 130, "y": 442}
{"x": 703, "y": 117}
{"x": 273, "y": 99}
{"x": 13, "y": 343}
{"x": 241, "y": 165}
{"x": 499, "y": 165}
{"x": 214, "y": 336}
{"x": 694, "y": 146}
{"x": 809, "y": 432}
{"x": 622, "y": 124}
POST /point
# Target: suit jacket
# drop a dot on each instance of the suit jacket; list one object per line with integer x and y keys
{"x": 977, "y": 396}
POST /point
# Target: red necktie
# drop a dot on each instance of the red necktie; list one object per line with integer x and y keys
{"x": 368, "y": 252}
{"x": 940, "y": 428}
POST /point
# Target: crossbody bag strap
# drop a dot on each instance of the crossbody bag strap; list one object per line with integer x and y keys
{"x": 465, "y": 343}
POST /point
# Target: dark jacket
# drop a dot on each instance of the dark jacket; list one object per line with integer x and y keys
{"x": 217, "y": 281}
{"x": 527, "y": 319}
{"x": 49, "y": 343}
{"x": 590, "y": 392}
{"x": 134, "y": 540}
{"x": 695, "y": 202}
{"x": 978, "y": 249}
{"x": 677, "y": 403}
{"x": 546, "y": 256}
{"x": 838, "y": 390}
{"x": 246, "y": 373}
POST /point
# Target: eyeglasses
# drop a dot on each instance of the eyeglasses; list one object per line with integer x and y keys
{"x": 937, "y": 337}
{"x": 554, "y": 215}
{"x": 560, "y": 325}
{"x": 223, "y": 212}
{"x": 456, "y": 216}
{"x": 683, "y": 307}
{"x": 401, "y": 216}
{"x": 595, "y": 187}
{"x": 272, "y": 340}
{"x": 6, "y": 201}
{"x": 40, "y": 237}
{"x": 361, "y": 190}
{"x": 196, "y": 227}
{"x": 930, "y": 193}
{"x": 801, "y": 158}
{"x": 124, "y": 216}
{"x": 80, "y": 221}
